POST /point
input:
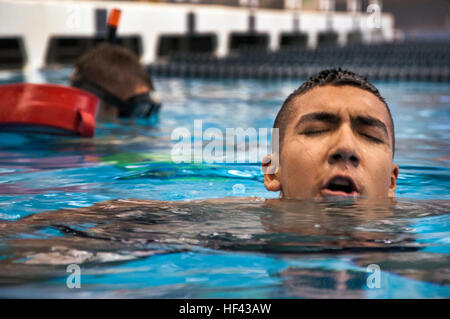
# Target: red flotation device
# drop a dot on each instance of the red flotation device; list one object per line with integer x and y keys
{"x": 48, "y": 105}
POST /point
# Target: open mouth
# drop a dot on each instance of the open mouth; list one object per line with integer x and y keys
{"x": 340, "y": 186}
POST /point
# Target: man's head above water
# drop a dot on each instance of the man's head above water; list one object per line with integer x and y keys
{"x": 114, "y": 74}
{"x": 336, "y": 138}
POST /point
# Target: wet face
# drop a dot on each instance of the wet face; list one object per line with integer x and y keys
{"x": 337, "y": 142}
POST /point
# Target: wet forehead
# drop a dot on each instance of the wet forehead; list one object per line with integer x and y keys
{"x": 345, "y": 101}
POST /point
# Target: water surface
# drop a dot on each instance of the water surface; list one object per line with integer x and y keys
{"x": 96, "y": 202}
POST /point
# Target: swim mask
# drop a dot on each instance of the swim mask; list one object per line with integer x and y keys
{"x": 144, "y": 105}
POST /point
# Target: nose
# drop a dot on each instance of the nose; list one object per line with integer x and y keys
{"x": 344, "y": 149}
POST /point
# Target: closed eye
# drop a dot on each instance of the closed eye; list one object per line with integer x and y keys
{"x": 313, "y": 132}
{"x": 371, "y": 138}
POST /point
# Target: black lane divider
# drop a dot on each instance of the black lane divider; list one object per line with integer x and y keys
{"x": 414, "y": 61}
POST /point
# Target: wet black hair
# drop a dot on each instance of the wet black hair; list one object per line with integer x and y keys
{"x": 335, "y": 77}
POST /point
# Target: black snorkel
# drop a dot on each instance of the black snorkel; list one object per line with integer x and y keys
{"x": 113, "y": 24}
{"x": 141, "y": 105}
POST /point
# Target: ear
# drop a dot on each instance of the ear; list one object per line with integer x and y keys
{"x": 271, "y": 170}
{"x": 394, "y": 176}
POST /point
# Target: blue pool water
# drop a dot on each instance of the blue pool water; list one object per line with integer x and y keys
{"x": 241, "y": 249}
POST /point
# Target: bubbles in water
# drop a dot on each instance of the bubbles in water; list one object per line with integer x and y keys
{"x": 238, "y": 189}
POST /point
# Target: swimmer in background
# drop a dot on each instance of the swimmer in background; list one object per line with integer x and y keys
{"x": 116, "y": 77}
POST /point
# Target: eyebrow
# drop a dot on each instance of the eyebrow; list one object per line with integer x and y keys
{"x": 319, "y": 116}
{"x": 370, "y": 121}
{"x": 335, "y": 119}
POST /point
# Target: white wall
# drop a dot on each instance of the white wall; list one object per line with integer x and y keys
{"x": 37, "y": 21}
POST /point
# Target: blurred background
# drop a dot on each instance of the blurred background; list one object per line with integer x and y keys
{"x": 396, "y": 39}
